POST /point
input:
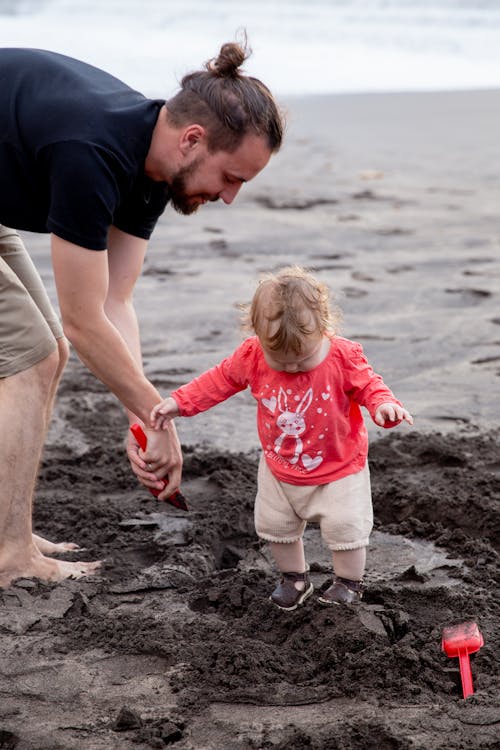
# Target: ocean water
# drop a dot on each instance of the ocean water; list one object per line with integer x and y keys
{"x": 299, "y": 46}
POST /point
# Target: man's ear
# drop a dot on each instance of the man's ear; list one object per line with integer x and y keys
{"x": 192, "y": 136}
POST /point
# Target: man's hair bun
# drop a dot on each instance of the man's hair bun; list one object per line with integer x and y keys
{"x": 231, "y": 57}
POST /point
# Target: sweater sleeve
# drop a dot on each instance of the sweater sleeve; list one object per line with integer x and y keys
{"x": 215, "y": 385}
{"x": 365, "y": 386}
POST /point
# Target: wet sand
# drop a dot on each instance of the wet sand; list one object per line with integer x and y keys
{"x": 393, "y": 201}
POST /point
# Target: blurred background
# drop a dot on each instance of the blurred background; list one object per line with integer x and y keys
{"x": 300, "y": 46}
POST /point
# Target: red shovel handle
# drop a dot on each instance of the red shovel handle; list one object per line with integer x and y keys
{"x": 177, "y": 498}
{"x": 465, "y": 673}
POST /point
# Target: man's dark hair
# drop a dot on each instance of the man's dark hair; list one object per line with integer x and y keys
{"x": 227, "y": 103}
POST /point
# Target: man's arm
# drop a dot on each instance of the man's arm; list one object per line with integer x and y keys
{"x": 95, "y": 299}
{"x": 125, "y": 260}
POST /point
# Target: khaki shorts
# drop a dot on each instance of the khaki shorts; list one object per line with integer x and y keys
{"x": 342, "y": 508}
{"x": 29, "y": 325}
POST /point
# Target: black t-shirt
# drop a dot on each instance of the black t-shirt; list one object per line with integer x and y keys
{"x": 73, "y": 142}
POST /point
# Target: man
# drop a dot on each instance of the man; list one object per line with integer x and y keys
{"x": 94, "y": 163}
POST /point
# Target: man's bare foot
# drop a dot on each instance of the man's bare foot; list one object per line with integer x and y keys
{"x": 45, "y": 569}
{"x": 54, "y": 548}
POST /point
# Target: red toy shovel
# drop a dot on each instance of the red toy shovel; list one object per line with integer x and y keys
{"x": 462, "y": 640}
{"x": 177, "y": 498}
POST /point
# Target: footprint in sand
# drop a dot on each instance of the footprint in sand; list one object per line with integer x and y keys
{"x": 403, "y": 268}
{"x": 393, "y": 232}
{"x": 218, "y": 244}
{"x": 332, "y": 256}
{"x": 372, "y": 337}
{"x": 476, "y": 262}
{"x": 332, "y": 266}
{"x": 353, "y": 293}
{"x": 298, "y": 204}
{"x": 318, "y": 268}
{"x": 222, "y": 248}
{"x": 348, "y": 217}
{"x": 158, "y": 271}
{"x": 366, "y": 195}
{"x": 468, "y": 296}
{"x": 484, "y": 360}
{"x": 360, "y": 276}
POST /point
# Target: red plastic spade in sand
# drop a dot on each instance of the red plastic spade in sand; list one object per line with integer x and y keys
{"x": 177, "y": 498}
{"x": 462, "y": 640}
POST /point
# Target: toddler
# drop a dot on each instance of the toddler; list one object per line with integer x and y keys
{"x": 309, "y": 384}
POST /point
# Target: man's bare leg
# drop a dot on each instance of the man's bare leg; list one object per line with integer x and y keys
{"x": 24, "y": 400}
{"x": 44, "y": 545}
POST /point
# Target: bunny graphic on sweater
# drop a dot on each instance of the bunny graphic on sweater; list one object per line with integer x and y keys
{"x": 292, "y": 423}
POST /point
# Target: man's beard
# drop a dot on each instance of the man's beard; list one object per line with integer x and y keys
{"x": 177, "y": 189}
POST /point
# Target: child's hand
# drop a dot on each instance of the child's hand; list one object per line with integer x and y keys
{"x": 390, "y": 415}
{"x": 163, "y": 413}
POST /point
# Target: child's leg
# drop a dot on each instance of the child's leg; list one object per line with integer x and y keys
{"x": 346, "y": 520}
{"x": 350, "y": 563}
{"x": 294, "y": 586}
{"x": 347, "y": 586}
{"x": 276, "y": 520}
{"x": 289, "y": 557}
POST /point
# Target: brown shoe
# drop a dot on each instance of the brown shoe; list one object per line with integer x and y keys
{"x": 342, "y": 591}
{"x": 286, "y": 595}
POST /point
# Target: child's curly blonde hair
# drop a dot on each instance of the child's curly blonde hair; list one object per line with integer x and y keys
{"x": 289, "y": 307}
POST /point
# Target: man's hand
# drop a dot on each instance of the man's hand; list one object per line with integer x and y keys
{"x": 390, "y": 415}
{"x": 162, "y": 457}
